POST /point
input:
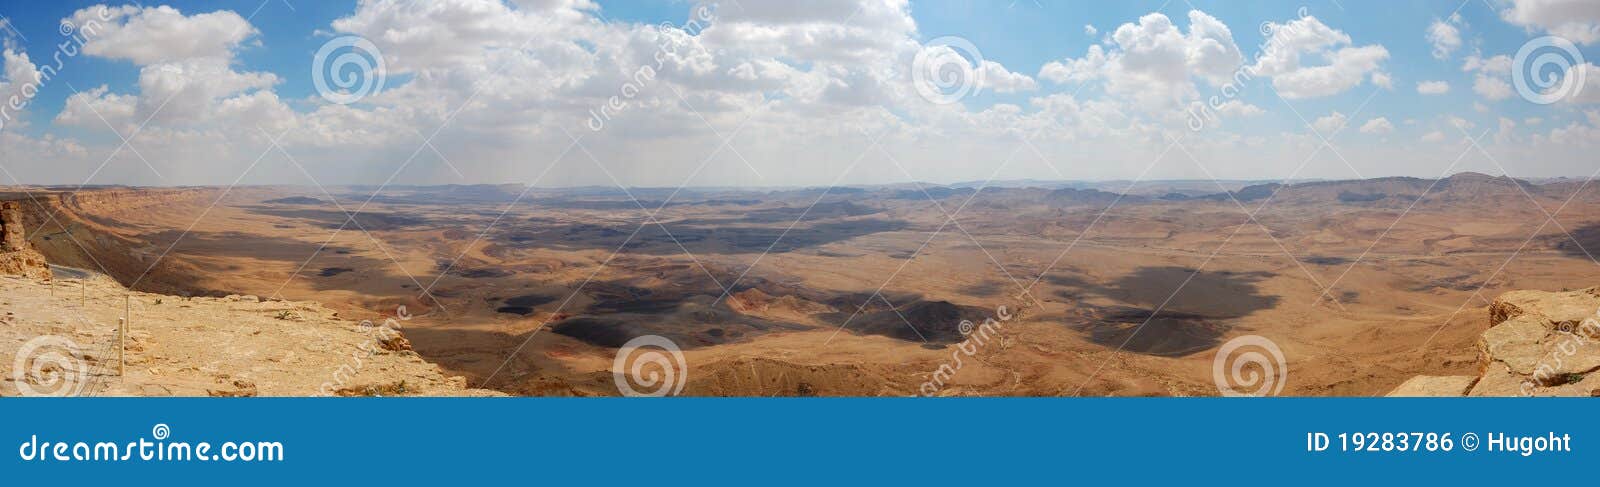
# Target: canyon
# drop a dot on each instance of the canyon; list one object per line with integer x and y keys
{"x": 1118, "y": 288}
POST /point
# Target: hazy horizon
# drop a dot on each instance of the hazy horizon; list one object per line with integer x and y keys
{"x": 992, "y": 185}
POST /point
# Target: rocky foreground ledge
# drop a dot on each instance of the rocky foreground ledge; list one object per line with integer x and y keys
{"x": 1538, "y": 344}
{"x": 60, "y": 338}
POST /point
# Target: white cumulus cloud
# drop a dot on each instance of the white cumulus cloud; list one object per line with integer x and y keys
{"x": 1330, "y": 124}
{"x": 1445, "y": 36}
{"x": 1308, "y": 59}
{"x": 1154, "y": 61}
{"x": 1576, "y": 20}
{"x": 148, "y": 35}
{"x": 1377, "y": 126}
{"x": 1433, "y": 87}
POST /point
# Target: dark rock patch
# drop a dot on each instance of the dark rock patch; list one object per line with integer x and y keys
{"x": 295, "y": 200}
{"x": 333, "y": 271}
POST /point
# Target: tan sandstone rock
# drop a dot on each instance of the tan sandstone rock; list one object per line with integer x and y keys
{"x": 1538, "y": 344}
{"x": 202, "y": 346}
{"x": 12, "y": 237}
{"x": 1435, "y": 386}
{"x": 1554, "y": 308}
{"x": 17, "y": 257}
{"x": 1516, "y": 342}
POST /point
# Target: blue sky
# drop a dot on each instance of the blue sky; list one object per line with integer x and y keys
{"x": 816, "y": 72}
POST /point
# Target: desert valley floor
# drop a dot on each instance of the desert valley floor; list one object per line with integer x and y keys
{"x": 859, "y": 291}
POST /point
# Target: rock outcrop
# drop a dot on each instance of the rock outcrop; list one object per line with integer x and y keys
{"x": 1538, "y": 344}
{"x": 234, "y": 346}
{"x": 17, "y": 257}
{"x": 12, "y": 238}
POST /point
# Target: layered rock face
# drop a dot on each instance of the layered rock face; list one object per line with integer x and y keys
{"x": 84, "y": 229}
{"x": 1538, "y": 344}
{"x": 12, "y": 238}
{"x": 16, "y": 256}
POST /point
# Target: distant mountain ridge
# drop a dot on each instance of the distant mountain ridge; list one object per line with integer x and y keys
{"x": 1463, "y": 187}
